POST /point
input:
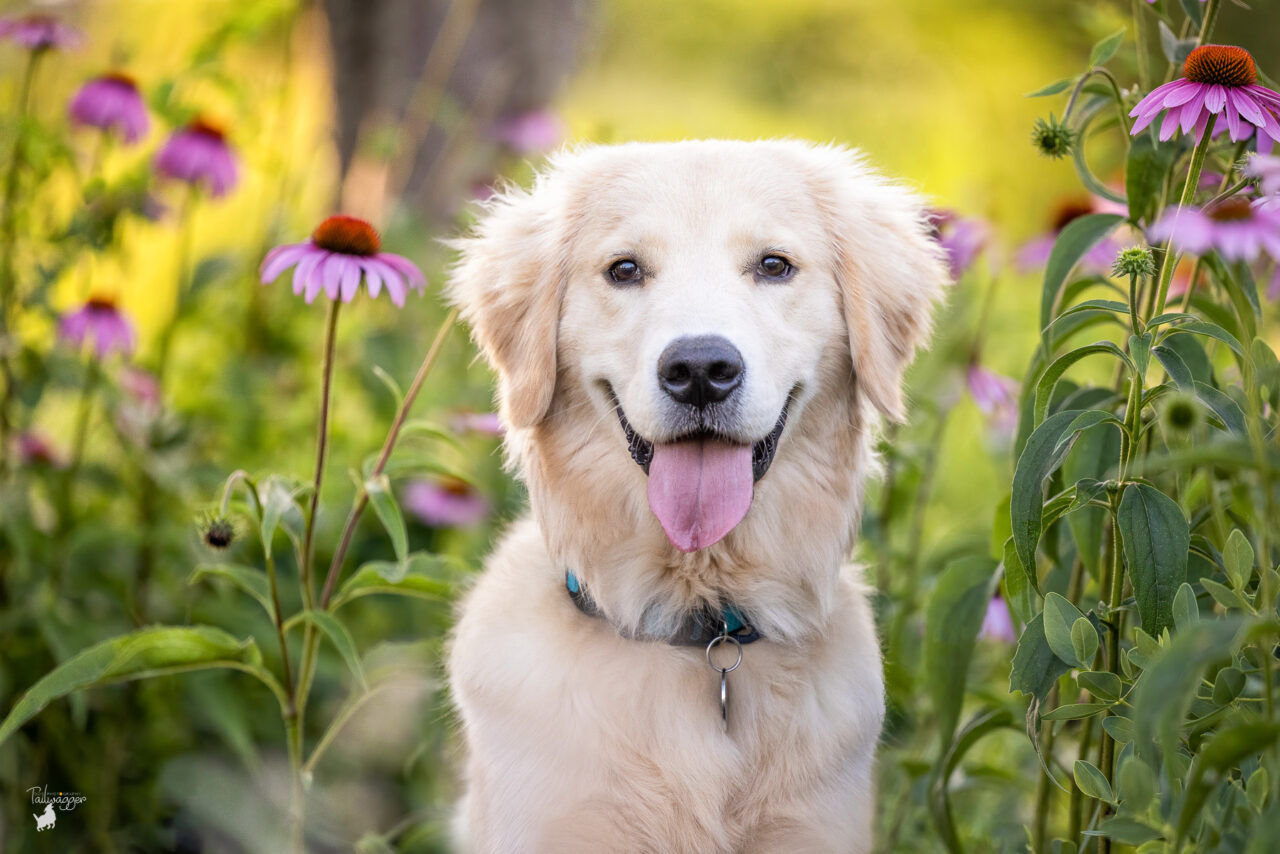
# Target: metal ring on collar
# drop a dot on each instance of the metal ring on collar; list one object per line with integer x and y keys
{"x": 719, "y": 639}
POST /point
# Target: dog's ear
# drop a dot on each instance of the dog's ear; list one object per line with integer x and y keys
{"x": 890, "y": 271}
{"x": 508, "y": 284}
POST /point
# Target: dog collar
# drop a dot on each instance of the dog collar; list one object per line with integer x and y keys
{"x": 699, "y": 627}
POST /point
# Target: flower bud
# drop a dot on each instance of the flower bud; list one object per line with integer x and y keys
{"x": 1052, "y": 138}
{"x": 1134, "y": 261}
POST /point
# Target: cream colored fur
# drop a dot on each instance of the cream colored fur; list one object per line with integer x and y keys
{"x": 577, "y": 739}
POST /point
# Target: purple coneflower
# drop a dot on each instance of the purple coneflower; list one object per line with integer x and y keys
{"x": 34, "y": 450}
{"x": 484, "y": 423}
{"x": 1217, "y": 80}
{"x": 1266, "y": 168}
{"x": 998, "y": 622}
{"x": 1237, "y": 229}
{"x": 40, "y": 32}
{"x": 199, "y": 155}
{"x": 100, "y": 323}
{"x": 447, "y": 503}
{"x": 111, "y": 103}
{"x": 529, "y": 133}
{"x": 962, "y": 239}
{"x": 1034, "y": 254}
{"x": 996, "y": 396}
{"x": 341, "y": 251}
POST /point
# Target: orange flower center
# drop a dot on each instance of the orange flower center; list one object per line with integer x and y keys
{"x": 1232, "y": 210}
{"x": 100, "y": 303}
{"x": 1068, "y": 212}
{"x": 203, "y": 126}
{"x": 121, "y": 78}
{"x": 1222, "y": 64}
{"x": 347, "y": 235}
{"x": 455, "y": 485}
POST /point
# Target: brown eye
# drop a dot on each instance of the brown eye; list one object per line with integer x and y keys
{"x": 625, "y": 272}
{"x": 774, "y": 267}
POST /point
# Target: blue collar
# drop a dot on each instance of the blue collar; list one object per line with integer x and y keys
{"x": 698, "y": 629}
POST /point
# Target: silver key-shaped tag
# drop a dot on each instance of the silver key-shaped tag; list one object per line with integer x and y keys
{"x": 722, "y": 638}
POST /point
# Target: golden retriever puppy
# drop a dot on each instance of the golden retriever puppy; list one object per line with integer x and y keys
{"x": 694, "y": 343}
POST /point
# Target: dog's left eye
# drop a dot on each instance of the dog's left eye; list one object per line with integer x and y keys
{"x": 775, "y": 267}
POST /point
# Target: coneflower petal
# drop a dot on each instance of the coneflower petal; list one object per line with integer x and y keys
{"x": 282, "y": 258}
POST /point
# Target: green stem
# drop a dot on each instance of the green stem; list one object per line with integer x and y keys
{"x": 1210, "y": 18}
{"x": 393, "y": 435}
{"x": 1188, "y": 191}
{"x": 322, "y": 448}
{"x": 1140, "y": 37}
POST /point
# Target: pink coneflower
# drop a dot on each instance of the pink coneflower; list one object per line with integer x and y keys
{"x": 1034, "y": 254}
{"x": 447, "y": 503}
{"x": 484, "y": 423}
{"x": 111, "y": 103}
{"x": 100, "y": 323}
{"x": 34, "y": 450}
{"x": 199, "y": 155}
{"x": 141, "y": 387}
{"x": 1217, "y": 80}
{"x": 1238, "y": 230}
{"x": 995, "y": 395}
{"x": 341, "y": 251}
{"x": 1267, "y": 169}
{"x": 962, "y": 239}
{"x": 998, "y": 622}
{"x": 529, "y": 133}
{"x": 40, "y": 32}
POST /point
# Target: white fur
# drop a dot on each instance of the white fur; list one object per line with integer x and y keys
{"x": 580, "y": 740}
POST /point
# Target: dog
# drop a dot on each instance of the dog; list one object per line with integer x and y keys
{"x": 694, "y": 343}
{"x": 46, "y": 819}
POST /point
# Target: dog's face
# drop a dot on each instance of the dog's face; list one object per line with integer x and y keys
{"x": 702, "y": 302}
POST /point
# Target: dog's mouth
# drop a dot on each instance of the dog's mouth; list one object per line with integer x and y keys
{"x": 700, "y": 484}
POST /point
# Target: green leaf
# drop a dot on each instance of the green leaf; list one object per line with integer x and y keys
{"x": 1093, "y": 456}
{"x": 953, "y": 617}
{"x": 1144, "y": 175}
{"x": 1140, "y": 352}
{"x": 278, "y": 505}
{"x": 1135, "y": 784}
{"x": 1126, "y": 831}
{"x": 1209, "y": 330}
{"x": 1225, "y": 596}
{"x": 1100, "y": 683}
{"x": 1227, "y": 685}
{"x": 1105, "y": 49}
{"x": 1256, "y": 789}
{"x": 1075, "y": 711}
{"x": 1060, "y": 615}
{"x": 1049, "y": 379}
{"x": 248, "y": 579}
{"x": 1041, "y": 455}
{"x": 1084, "y": 640}
{"x": 332, "y": 628}
{"x": 1035, "y": 666}
{"x": 1174, "y": 367}
{"x": 1156, "y": 539}
{"x": 1121, "y": 729}
{"x": 1092, "y": 782}
{"x": 1224, "y": 407}
{"x": 423, "y": 576}
{"x": 1019, "y": 589}
{"x": 1229, "y": 746}
{"x": 1077, "y": 238}
{"x": 154, "y": 651}
{"x": 388, "y": 510}
{"x": 1053, "y": 88}
{"x": 1186, "y": 612}
{"x": 1170, "y": 680}
{"x": 1237, "y": 558}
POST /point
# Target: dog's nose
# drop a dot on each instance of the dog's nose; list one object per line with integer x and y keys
{"x": 700, "y": 370}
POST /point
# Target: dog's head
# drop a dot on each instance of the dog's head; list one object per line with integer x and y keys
{"x": 690, "y": 308}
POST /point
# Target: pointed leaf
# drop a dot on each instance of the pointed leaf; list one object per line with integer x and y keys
{"x": 1041, "y": 455}
{"x": 248, "y": 579}
{"x": 332, "y": 628}
{"x": 1105, "y": 49}
{"x": 388, "y": 510}
{"x": 423, "y": 576}
{"x": 1223, "y": 406}
{"x": 1077, "y": 238}
{"x": 1237, "y": 558}
{"x": 1156, "y": 539}
{"x": 1084, "y": 641}
{"x": 1059, "y": 616}
{"x": 1035, "y": 666}
{"x": 154, "y": 651}
{"x": 1092, "y": 782}
{"x": 1053, "y": 88}
{"x": 1049, "y": 379}
{"x": 953, "y": 618}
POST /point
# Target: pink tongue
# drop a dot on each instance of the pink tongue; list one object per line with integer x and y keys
{"x": 699, "y": 490}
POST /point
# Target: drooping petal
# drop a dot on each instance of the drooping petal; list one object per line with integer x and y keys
{"x": 1169, "y": 125}
{"x": 1215, "y": 98}
{"x": 331, "y": 274}
{"x": 396, "y": 289}
{"x": 350, "y": 279}
{"x": 373, "y": 273}
{"x": 406, "y": 267}
{"x": 1233, "y": 122}
{"x": 1154, "y": 101}
{"x": 302, "y": 273}
{"x": 1246, "y": 105}
{"x": 280, "y": 259}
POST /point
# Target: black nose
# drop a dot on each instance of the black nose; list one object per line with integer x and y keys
{"x": 700, "y": 370}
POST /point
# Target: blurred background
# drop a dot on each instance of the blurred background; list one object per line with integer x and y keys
{"x": 405, "y": 113}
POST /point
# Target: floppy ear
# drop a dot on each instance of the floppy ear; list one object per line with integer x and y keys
{"x": 890, "y": 271}
{"x": 508, "y": 284}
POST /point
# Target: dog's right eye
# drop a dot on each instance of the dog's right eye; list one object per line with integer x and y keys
{"x": 625, "y": 272}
